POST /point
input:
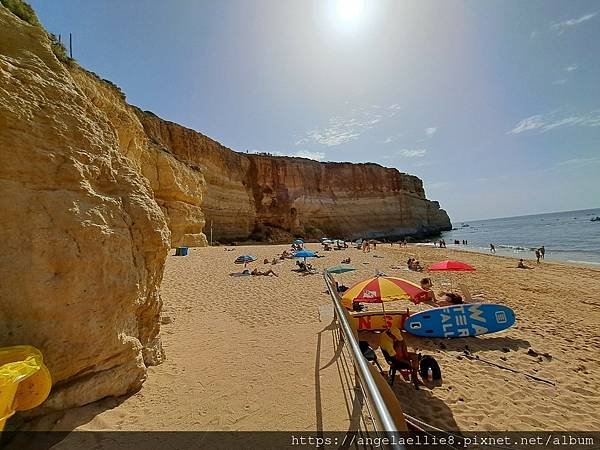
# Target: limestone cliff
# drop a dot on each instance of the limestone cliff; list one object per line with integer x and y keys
{"x": 254, "y": 195}
{"x": 83, "y": 239}
{"x": 94, "y": 192}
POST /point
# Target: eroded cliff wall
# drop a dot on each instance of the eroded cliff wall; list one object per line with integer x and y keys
{"x": 249, "y": 194}
{"x": 94, "y": 192}
{"x": 83, "y": 240}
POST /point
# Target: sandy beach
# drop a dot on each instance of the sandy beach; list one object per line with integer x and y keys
{"x": 260, "y": 353}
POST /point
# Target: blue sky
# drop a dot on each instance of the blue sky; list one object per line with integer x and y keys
{"x": 495, "y": 104}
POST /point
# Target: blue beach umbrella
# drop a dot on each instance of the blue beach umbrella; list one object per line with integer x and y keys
{"x": 245, "y": 259}
{"x": 305, "y": 254}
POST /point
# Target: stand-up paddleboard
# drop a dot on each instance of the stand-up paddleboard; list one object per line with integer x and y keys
{"x": 460, "y": 320}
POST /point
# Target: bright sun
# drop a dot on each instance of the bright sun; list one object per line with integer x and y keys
{"x": 349, "y": 10}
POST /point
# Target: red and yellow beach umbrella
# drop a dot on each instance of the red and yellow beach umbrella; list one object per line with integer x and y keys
{"x": 383, "y": 289}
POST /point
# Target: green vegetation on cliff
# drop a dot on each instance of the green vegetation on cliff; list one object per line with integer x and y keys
{"x": 25, "y": 12}
{"x": 22, "y": 10}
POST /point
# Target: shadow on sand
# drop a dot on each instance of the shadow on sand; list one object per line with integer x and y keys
{"x": 352, "y": 393}
{"x": 423, "y": 405}
{"x": 473, "y": 344}
{"x": 46, "y": 431}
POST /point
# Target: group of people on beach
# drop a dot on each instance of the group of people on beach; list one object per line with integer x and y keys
{"x": 540, "y": 253}
{"x": 441, "y": 242}
{"x": 366, "y": 245}
{"x": 414, "y": 265}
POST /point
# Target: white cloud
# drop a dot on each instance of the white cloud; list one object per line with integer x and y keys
{"x": 578, "y": 162}
{"x": 559, "y": 82}
{"x": 544, "y": 123}
{"x": 571, "y": 68}
{"x": 530, "y": 123}
{"x": 561, "y": 27}
{"x": 388, "y": 140}
{"x": 347, "y": 128}
{"x": 430, "y": 131}
{"x": 533, "y": 34}
{"x": 412, "y": 153}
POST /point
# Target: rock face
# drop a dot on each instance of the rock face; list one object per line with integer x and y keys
{"x": 178, "y": 188}
{"x": 83, "y": 239}
{"x": 94, "y": 192}
{"x": 255, "y": 195}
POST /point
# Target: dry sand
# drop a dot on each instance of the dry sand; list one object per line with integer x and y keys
{"x": 251, "y": 353}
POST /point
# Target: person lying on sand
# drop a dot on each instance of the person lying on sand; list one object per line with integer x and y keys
{"x": 449, "y": 299}
{"x": 267, "y": 273}
{"x": 445, "y": 298}
{"x": 521, "y": 265}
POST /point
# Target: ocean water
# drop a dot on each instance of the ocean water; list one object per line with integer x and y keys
{"x": 567, "y": 236}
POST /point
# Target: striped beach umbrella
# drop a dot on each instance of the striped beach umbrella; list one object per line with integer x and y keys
{"x": 383, "y": 289}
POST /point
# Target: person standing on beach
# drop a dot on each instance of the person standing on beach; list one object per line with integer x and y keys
{"x": 492, "y": 248}
{"x": 542, "y": 251}
{"x": 538, "y": 254}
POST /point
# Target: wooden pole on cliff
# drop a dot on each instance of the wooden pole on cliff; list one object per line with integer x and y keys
{"x": 211, "y": 233}
{"x": 70, "y": 45}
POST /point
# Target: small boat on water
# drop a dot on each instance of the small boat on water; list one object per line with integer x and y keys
{"x": 465, "y": 225}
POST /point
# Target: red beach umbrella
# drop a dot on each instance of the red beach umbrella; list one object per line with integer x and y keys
{"x": 451, "y": 265}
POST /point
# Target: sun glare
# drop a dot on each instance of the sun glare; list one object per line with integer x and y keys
{"x": 349, "y": 10}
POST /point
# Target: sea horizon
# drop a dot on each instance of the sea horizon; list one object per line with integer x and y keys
{"x": 454, "y": 222}
{"x": 569, "y": 236}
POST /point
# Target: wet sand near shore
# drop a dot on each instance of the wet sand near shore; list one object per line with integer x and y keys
{"x": 251, "y": 353}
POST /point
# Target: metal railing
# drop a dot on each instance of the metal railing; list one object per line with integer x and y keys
{"x": 384, "y": 421}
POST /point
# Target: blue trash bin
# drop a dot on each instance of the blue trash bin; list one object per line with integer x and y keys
{"x": 181, "y": 251}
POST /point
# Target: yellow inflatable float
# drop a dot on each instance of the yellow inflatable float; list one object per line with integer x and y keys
{"x": 25, "y": 381}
